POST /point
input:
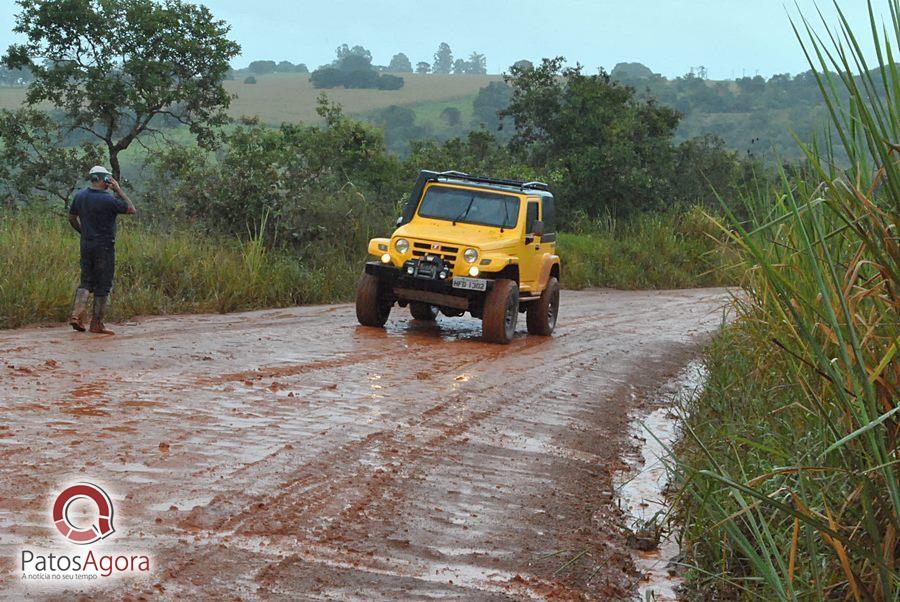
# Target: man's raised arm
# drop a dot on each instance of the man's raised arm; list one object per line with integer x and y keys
{"x": 121, "y": 194}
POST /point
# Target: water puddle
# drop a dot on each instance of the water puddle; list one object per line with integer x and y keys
{"x": 641, "y": 488}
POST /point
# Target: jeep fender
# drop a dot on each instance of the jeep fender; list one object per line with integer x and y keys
{"x": 549, "y": 267}
{"x": 375, "y": 242}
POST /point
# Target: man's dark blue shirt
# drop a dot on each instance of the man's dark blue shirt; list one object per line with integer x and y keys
{"x": 97, "y": 211}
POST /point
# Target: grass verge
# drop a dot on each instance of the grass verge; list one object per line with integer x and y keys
{"x": 178, "y": 271}
{"x": 789, "y": 483}
{"x": 185, "y": 270}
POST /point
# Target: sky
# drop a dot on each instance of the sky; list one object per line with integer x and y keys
{"x": 731, "y": 38}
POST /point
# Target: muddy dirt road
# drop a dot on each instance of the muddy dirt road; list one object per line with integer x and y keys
{"x": 290, "y": 454}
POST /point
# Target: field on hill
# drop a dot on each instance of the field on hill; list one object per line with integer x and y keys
{"x": 289, "y": 97}
{"x": 11, "y": 97}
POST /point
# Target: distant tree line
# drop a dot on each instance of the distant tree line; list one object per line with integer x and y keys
{"x": 752, "y": 114}
{"x": 352, "y": 68}
{"x": 266, "y": 67}
{"x": 347, "y": 70}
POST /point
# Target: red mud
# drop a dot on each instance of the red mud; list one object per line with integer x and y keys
{"x": 292, "y": 454}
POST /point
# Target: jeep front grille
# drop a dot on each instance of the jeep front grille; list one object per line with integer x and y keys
{"x": 446, "y": 253}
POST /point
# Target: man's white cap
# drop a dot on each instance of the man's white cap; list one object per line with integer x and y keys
{"x": 99, "y": 170}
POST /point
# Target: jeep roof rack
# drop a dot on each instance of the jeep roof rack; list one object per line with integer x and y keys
{"x": 458, "y": 175}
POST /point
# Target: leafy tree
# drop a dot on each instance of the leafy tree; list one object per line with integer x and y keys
{"x": 452, "y": 116}
{"x": 523, "y": 65}
{"x": 443, "y": 59}
{"x": 312, "y": 183}
{"x": 360, "y": 79}
{"x": 354, "y": 71}
{"x": 423, "y": 67}
{"x": 399, "y": 125}
{"x": 327, "y": 77}
{"x": 35, "y": 162}
{"x": 460, "y": 66}
{"x": 631, "y": 71}
{"x": 250, "y": 79}
{"x": 301, "y": 68}
{"x": 285, "y": 67}
{"x": 400, "y": 64}
{"x": 343, "y": 51}
{"x": 355, "y": 62}
{"x": 477, "y": 64}
{"x": 614, "y": 150}
{"x": 478, "y": 153}
{"x": 263, "y": 67}
{"x": 113, "y": 67}
{"x": 490, "y": 101}
{"x": 389, "y": 82}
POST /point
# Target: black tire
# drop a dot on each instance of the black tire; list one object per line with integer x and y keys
{"x": 423, "y": 311}
{"x": 501, "y": 312}
{"x": 541, "y": 314}
{"x": 371, "y": 307}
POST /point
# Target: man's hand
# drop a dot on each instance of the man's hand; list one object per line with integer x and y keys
{"x": 121, "y": 194}
{"x": 73, "y": 219}
{"x": 114, "y": 184}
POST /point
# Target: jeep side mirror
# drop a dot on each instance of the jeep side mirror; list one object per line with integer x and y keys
{"x": 538, "y": 228}
{"x": 399, "y": 221}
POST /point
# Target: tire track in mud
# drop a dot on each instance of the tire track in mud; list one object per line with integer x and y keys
{"x": 289, "y": 453}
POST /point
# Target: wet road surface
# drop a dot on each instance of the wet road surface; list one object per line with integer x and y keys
{"x": 291, "y": 454}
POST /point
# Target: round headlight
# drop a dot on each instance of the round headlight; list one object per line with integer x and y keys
{"x": 473, "y": 271}
{"x": 386, "y": 258}
{"x": 471, "y": 255}
{"x": 402, "y": 245}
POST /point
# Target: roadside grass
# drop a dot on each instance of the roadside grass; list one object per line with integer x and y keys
{"x": 183, "y": 269}
{"x": 650, "y": 251}
{"x": 180, "y": 270}
{"x": 788, "y": 474}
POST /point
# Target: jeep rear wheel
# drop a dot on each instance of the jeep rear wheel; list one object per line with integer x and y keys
{"x": 541, "y": 316}
{"x": 372, "y": 309}
{"x": 501, "y": 312}
{"x": 423, "y": 311}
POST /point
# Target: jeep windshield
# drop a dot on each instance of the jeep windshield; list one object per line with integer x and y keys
{"x": 470, "y": 207}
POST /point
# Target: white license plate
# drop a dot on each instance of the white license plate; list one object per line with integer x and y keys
{"x": 469, "y": 284}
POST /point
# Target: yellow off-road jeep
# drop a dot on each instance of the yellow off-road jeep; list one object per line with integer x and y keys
{"x": 473, "y": 244}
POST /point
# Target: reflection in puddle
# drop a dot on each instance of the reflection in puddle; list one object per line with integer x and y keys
{"x": 641, "y": 489}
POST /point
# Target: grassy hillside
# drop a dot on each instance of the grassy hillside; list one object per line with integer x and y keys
{"x": 289, "y": 97}
{"x": 11, "y": 98}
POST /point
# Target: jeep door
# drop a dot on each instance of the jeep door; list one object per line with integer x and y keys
{"x": 530, "y": 259}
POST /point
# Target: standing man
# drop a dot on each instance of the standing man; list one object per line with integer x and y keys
{"x": 93, "y": 214}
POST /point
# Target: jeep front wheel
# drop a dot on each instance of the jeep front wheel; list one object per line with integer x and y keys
{"x": 501, "y": 311}
{"x": 541, "y": 316}
{"x": 372, "y": 309}
{"x": 423, "y": 311}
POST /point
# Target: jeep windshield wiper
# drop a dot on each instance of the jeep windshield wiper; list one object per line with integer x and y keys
{"x": 466, "y": 212}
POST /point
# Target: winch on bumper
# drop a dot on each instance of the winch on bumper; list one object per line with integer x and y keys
{"x": 429, "y": 280}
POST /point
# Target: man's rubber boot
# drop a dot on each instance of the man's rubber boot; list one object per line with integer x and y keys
{"x": 97, "y": 320}
{"x": 79, "y": 308}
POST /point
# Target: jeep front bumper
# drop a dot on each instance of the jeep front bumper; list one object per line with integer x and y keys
{"x": 426, "y": 289}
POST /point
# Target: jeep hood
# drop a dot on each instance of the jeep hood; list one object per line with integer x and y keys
{"x": 483, "y": 237}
